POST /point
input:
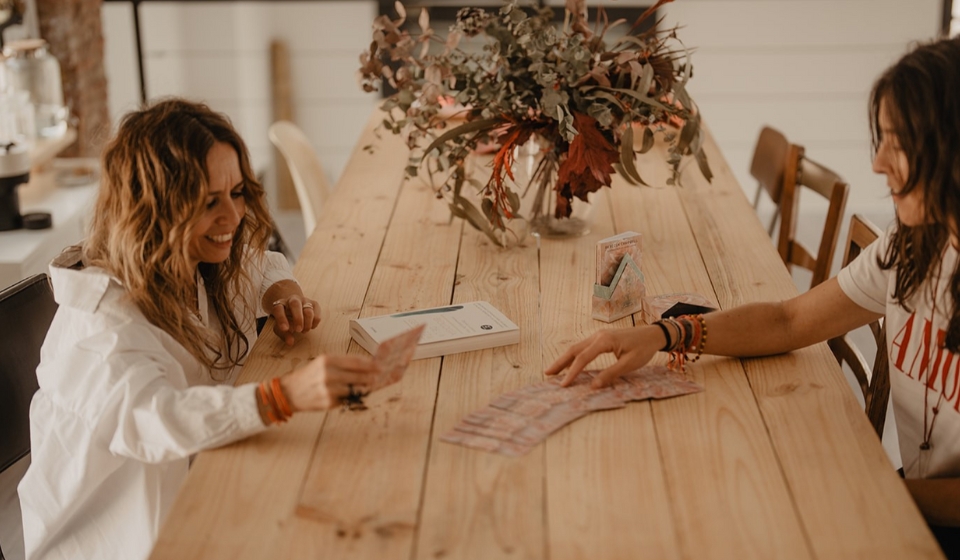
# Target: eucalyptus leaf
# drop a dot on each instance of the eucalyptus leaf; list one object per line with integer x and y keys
{"x": 623, "y": 173}
{"x": 687, "y": 133}
{"x": 627, "y": 158}
{"x": 647, "y": 140}
{"x": 701, "y": 158}
{"x": 424, "y": 19}
{"x": 646, "y": 80}
{"x": 639, "y": 97}
{"x": 470, "y": 213}
{"x": 514, "y": 200}
{"x": 472, "y": 126}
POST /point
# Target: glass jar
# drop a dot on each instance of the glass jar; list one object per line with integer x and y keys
{"x": 30, "y": 68}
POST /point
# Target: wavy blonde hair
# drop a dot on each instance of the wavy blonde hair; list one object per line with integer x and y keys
{"x": 152, "y": 193}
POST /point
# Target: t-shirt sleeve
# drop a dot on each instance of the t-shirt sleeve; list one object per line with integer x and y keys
{"x": 864, "y": 281}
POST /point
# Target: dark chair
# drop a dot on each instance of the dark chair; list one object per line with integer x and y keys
{"x": 27, "y": 308}
{"x": 876, "y": 386}
{"x": 800, "y": 171}
{"x": 769, "y": 159}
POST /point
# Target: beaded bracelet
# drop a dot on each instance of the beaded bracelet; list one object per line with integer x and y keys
{"x": 691, "y": 337}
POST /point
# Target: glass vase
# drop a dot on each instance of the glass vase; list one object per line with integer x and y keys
{"x": 542, "y": 167}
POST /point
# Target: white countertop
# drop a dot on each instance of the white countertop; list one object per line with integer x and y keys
{"x": 26, "y": 252}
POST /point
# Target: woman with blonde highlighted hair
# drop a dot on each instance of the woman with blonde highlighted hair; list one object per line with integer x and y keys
{"x": 157, "y": 312}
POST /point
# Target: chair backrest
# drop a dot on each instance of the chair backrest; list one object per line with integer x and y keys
{"x": 767, "y": 166}
{"x": 803, "y": 172}
{"x": 27, "y": 309}
{"x": 875, "y": 386}
{"x": 305, "y": 170}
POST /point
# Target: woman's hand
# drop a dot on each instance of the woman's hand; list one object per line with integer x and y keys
{"x": 323, "y": 381}
{"x": 633, "y": 347}
{"x": 291, "y": 310}
{"x": 294, "y": 314}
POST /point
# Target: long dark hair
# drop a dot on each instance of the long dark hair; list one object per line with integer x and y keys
{"x": 921, "y": 94}
{"x": 151, "y": 196}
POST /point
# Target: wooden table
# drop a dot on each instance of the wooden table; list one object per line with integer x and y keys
{"x": 774, "y": 459}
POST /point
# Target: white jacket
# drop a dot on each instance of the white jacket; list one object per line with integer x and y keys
{"x": 121, "y": 408}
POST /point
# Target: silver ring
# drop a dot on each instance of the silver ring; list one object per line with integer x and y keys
{"x": 307, "y": 305}
{"x": 279, "y": 302}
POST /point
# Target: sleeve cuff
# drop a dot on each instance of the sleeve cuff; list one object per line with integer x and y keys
{"x": 247, "y": 412}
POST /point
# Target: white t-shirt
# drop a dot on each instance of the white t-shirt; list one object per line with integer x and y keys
{"x": 121, "y": 408}
{"x": 922, "y": 375}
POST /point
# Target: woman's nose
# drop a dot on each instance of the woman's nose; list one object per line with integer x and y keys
{"x": 879, "y": 161}
{"x": 231, "y": 213}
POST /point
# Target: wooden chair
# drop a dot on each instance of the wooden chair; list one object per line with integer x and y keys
{"x": 876, "y": 386}
{"x": 769, "y": 159}
{"x": 803, "y": 172}
{"x": 27, "y": 309}
{"x": 305, "y": 169}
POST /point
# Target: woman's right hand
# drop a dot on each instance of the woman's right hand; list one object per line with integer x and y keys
{"x": 633, "y": 347}
{"x": 323, "y": 381}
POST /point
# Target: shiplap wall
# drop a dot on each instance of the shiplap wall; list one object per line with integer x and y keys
{"x": 803, "y": 66}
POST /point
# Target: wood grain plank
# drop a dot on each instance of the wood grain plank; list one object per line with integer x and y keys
{"x": 729, "y": 498}
{"x": 213, "y": 516}
{"x": 346, "y": 507}
{"x": 281, "y": 97}
{"x": 476, "y": 504}
{"x": 850, "y": 500}
{"x": 607, "y": 464}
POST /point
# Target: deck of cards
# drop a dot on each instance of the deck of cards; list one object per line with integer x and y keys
{"x": 516, "y": 422}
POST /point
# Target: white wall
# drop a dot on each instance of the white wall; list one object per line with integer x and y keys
{"x": 803, "y": 66}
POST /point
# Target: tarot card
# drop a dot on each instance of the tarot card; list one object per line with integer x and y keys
{"x": 508, "y": 448}
{"x": 657, "y": 382}
{"x": 393, "y": 356}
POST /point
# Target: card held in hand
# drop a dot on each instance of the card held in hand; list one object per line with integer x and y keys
{"x": 394, "y": 355}
{"x": 516, "y": 422}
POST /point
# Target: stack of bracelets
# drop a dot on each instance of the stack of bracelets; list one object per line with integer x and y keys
{"x": 689, "y": 334}
{"x": 274, "y": 403}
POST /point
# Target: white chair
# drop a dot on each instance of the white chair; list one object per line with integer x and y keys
{"x": 305, "y": 170}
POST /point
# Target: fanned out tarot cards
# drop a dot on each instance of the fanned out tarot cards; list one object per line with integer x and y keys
{"x": 515, "y": 422}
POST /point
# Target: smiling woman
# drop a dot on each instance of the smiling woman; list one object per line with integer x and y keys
{"x": 156, "y": 315}
{"x": 225, "y": 207}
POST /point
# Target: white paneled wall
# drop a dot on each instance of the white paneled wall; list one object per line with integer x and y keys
{"x": 803, "y": 66}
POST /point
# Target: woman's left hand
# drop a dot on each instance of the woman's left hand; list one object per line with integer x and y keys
{"x": 292, "y": 312}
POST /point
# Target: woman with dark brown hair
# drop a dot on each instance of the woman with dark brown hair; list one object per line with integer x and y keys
{"x": 910, "y": 276}
{"x": 157, "y": 311}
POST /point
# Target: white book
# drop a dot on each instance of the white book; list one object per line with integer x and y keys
{"x": 450, "y": 329}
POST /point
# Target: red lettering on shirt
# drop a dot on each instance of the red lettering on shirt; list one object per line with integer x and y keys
{"x": 901, "y": 342}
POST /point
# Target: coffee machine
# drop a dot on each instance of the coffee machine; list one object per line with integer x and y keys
{"x": 14, "y": 171}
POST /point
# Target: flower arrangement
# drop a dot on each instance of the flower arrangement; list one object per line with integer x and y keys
{"x": 578, "y": 96}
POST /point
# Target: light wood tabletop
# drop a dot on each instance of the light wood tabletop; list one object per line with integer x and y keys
{"x": 775, "y": 459}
